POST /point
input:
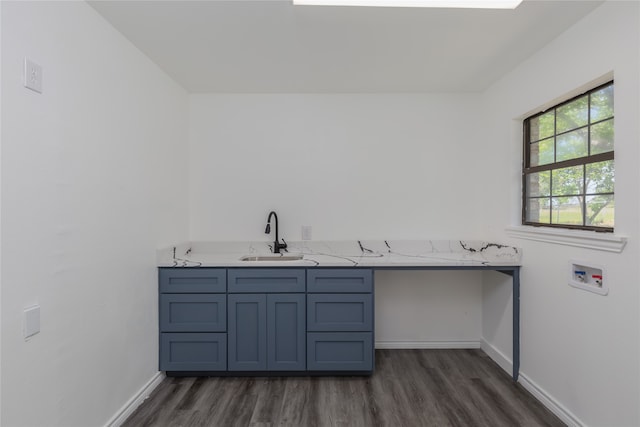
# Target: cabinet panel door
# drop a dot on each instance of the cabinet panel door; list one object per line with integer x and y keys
{"x": 247, "y": 332}
{"x": 286, "y": 332}
{"x": 255, "y": 280}
{"x": 339, "y": 312}
{"x": 339, "y": 280}
{"x": 193, "y": 280}
{"x": 339, "y": 351}
{"x": 193, "y": 352}
{"x": 193, "y": 313}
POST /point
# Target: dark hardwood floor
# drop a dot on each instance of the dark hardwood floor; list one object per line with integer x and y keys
{"x": 408, "y": 388}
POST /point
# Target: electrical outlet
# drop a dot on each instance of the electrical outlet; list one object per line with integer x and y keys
{"x": 306, "y": 232}
{"x": 32, "y": 76}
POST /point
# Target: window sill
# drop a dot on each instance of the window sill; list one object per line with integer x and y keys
{"x": 608, "y": 242}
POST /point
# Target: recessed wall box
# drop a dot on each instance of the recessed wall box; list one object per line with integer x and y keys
{"x": 587, "y": 276}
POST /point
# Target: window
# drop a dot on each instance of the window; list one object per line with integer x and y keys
{"x": 568, "y": 173}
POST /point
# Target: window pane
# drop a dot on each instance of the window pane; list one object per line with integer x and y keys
{"x": 600, "y": 210}
{"x": 567, "y": 181}
{"x": 600, "y": 177}
{"x": 541, "y": 152}
{"x": 572, "y": 145}
{"x": 602, "y": 104}
{"x": 539, "y": 184}
{"x": 572, "y": 115}
{"x": 566, "y": 210}
{"x": 538, "y": 210}
{"x": 602, "y": 137}
{"x": 541, "y": 127}
{"x": 574, "y": 133}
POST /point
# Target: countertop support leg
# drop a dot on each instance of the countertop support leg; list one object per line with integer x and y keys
{"x": 516, "y": 323}
{"x": 515, "y": 277}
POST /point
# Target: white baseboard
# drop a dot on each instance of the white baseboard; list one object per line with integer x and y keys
{"x": 545, "y": 398}
{"x": 552, "y": 404}
{"x": 133, "y": 403}
{"x": 499, "y": 357}
{"x": 396, "y": 345}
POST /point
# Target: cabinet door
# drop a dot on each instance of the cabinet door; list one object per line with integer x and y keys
{"x": 247, "y": 332}
{"x": 286, "y": 332}
{"x": 193, "y": 352}
{"x": 339, "y": 312}
{"x": 192, "y": 280}
{"x": 340, "y": 351}
{"x": 193, "y": 313}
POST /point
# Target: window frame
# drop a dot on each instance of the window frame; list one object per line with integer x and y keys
{"x": 527, "y": 169}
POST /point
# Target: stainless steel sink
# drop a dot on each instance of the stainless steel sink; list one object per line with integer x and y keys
{"x": 274, "y": 257}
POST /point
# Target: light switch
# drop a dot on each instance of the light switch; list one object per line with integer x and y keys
{"x": 31, "y": 321}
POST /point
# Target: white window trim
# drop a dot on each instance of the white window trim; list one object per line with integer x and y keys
{"x": 608, "y": 242}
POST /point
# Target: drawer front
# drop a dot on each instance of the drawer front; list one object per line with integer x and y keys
{"x": 339, "y": 351}
{"x": 193, "y": 280}
{"x": 339, "y": 312}
{"x": 261, "y": 280}
{"x": 193, "y": 352}
{"x": 339, "y": 280}
{"x": 193, "y": 313}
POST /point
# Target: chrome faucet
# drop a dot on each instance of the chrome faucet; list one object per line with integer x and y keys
{"x": 276, "y": 244}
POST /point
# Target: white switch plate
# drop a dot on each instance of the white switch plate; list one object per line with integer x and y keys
{"x": 32, "y": 75}
{"x": 306, "y": 232}
{"x": 31, "y": 321}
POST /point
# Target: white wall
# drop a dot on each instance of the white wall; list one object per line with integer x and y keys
{"x": 353, "y": 166}
{"x": 0, "y": 220}
{"x": 579, "y": 348}
{"x": 93, "y": 180}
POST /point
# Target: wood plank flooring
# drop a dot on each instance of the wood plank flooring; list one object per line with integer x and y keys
{"x": 409, "y": 388}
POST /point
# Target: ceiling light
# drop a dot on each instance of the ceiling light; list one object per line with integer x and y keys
{"x": 471, "y": 4}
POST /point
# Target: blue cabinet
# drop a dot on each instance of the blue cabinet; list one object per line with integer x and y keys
{"x": 267, "y": 330}
{"x": 193, "y": 319}
{"x": 340, "y": 314}
{"x": 266, "y": 320}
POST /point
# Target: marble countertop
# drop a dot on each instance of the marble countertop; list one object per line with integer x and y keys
{"x": 348, "y": 253}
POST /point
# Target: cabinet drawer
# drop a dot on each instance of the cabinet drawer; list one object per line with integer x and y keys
{"x": 258, "y": 280}
{"x": 193, "y": 352}
{"x": 339, "y": 312}
{"x": 339, "y": 351}
{"x": 339, "y": 280}
{"x": 193, "y": 313}
{"x": 193, "y": 280}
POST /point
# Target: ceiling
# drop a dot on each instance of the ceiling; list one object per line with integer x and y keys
{"x": 271, "y": 46}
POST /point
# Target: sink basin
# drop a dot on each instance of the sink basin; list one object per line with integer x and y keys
{"x": 274, "y": 257}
